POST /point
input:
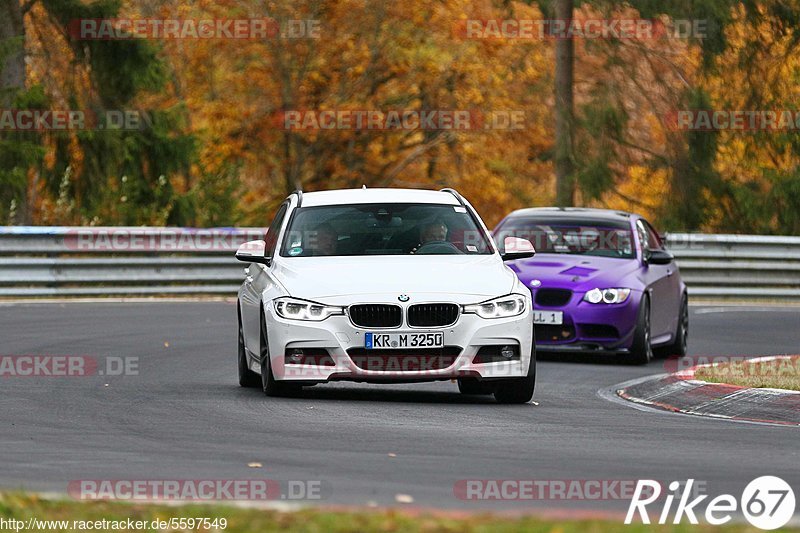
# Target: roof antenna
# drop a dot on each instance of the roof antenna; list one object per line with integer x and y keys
{"x": 363, "y": 187}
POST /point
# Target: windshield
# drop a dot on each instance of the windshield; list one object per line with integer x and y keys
{"x": 576, "y": 237}
{"x": 383, "y": 229}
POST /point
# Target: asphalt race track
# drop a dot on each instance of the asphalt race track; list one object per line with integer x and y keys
{"x": 184, "y": 416}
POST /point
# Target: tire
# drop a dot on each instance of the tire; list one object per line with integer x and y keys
{"x": 642, "y": 349}
{"x": 247, "y": 378}
{"x": 269, "y": 384}
{"x": 679, "y": 348}
{"x": 518, "y": 390}
{"x": 475, "y": 387}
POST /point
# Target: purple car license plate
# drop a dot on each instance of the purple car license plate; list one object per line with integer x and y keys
{"x": 548, "y": 317}
{"x": 403, "y": 340}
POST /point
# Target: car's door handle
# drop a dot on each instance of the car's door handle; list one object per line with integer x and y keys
{"x": 669, "y": 272}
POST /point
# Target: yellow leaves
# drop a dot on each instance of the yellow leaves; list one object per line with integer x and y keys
{"x": 756, "y": 72}
{"x": 644, "y": 190}
{"x": 379, "y": 57}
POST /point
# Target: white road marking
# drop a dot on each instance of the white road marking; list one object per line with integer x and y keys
{"x": 745, "y": 309}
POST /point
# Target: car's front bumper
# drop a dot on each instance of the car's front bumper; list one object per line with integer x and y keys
{"x": 337, "y": 335}
{"x": 582, "y": 347}
{"x": 599, "y": 328}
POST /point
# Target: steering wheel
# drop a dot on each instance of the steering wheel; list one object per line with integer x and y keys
{"x": 438, "y": 248}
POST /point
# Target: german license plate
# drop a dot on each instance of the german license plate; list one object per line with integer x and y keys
{"x": 548, "y": 317}
{"x": 403, "y": 340}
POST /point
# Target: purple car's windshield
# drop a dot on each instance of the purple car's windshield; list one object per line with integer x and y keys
{"x": 384, "y": 229}
{"x": 571, "y": 236}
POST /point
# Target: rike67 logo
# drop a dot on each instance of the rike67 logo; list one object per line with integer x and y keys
{"x": 767, "y": 503}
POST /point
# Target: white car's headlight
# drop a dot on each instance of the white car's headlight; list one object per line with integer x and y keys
{"x": 606, "y": 296}
{"x": 294, "y": 309}
{"x": 503, "y": 307}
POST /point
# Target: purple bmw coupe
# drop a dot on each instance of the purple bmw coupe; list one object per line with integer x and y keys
{"x": 601, "y": 282}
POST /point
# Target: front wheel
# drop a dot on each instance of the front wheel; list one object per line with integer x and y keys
{"x": 679, "y": 347}
{"x": 642, "y": 349}
{"x": 518, "y": 390}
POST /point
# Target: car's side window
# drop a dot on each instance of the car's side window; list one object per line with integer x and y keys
{"x": 271, "y": 238}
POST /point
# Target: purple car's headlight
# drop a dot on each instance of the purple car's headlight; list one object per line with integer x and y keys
{"x": 607, "y": 296}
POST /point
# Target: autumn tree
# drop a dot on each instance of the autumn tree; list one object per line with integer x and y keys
{"x": 87, "y": 175}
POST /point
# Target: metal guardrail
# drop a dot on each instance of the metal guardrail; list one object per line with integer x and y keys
{"x": 738, "y": 266}
{"x": 120, "y": 261}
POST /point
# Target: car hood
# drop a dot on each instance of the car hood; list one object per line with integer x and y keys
{"x": 463, "y": 279}
{"x": 577, "y": 272}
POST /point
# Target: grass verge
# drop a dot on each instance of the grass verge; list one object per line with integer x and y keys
{"x": 783, "y": 373}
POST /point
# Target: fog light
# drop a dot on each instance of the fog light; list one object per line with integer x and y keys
{"x": 507, "y": 352}
{"x": 295, "y": 356}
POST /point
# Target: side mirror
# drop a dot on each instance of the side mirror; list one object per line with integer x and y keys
{"x": 515, "y": 248}
{"x": 253, "y": 252}
{"x": 658, "y": 257}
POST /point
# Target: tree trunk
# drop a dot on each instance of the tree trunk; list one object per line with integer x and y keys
{"x": 12, "y": 76}
{"x": 565, "y": 60}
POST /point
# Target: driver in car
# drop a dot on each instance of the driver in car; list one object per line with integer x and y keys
{"x": 434, "y": 231}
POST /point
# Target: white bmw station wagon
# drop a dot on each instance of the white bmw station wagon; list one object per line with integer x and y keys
{"x": 385, "y": 286}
